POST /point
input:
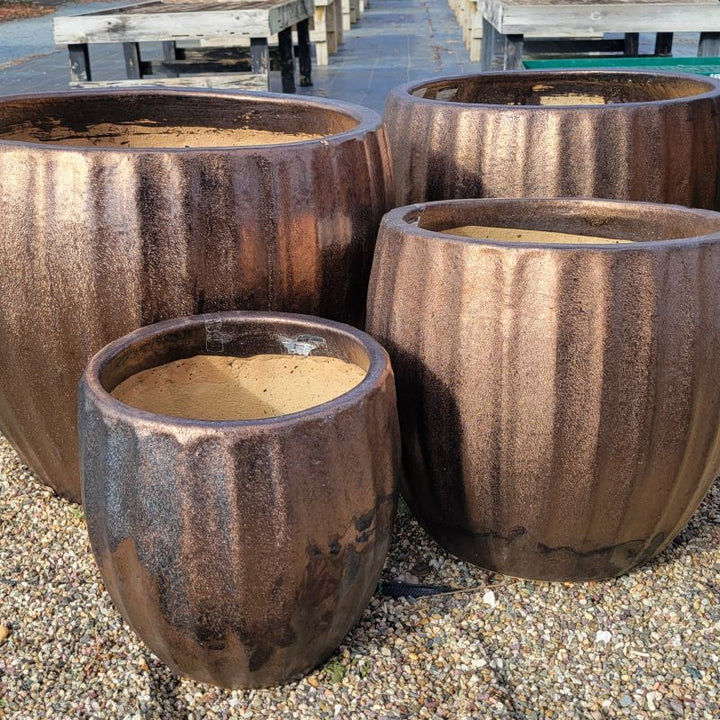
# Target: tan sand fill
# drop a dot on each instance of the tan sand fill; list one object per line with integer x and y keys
{"x": 520, "y": 235}
{"x": 218, "y": 387}
{"x": 572, "y": 99}
{"x": 152, "y": 135}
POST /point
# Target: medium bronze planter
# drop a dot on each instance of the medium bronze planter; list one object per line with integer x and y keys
{"x": 110, "y": 223}
{"x": 241, "y": 552}
{"x": 559, "y": 404}
{"x": 653, "y": 137}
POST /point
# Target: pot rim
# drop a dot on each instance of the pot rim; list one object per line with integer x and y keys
{"x": 399, "y": 219}
{"x": 378, "y": 368}
{"x": 367, "y": 119}
{"x": 407, "y": 89}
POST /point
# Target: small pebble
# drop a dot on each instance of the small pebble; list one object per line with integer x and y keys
{"x": 4, "y": 633}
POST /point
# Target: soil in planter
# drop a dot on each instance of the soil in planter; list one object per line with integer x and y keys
{"x": 218, "y": 387}
{"x": 151, "y": 135}
{"x": 520, "y": 235}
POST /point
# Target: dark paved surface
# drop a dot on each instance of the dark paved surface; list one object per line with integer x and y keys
{"x": 396, "y": 41}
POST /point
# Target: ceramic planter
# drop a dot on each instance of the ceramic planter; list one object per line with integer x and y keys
{"x": 123, "y": 208}
{"x": 241, "y": 552}
{"x": 653, "y": 137}
{"x": 559, "y": 404}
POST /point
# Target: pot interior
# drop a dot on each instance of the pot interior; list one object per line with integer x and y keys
{"x": 160, "y": 119}
{"x": 228, "y": 369}
{"x": 565, "y": 88}
{"x": 590, "y": 221}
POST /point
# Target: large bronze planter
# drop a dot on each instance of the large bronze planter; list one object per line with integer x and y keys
{"x": 653, "y": 137}
{"x": 241, "y": 552}
{"x": 122, "y": 208}
{"x": 559, "y": 404}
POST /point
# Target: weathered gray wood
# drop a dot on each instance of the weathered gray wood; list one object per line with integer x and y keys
{"x": 164, "y": 21}
{"x": 304, "y": 61}
{"x": 79, "y": 62}
{"x": 709, "y": 44}
{"x": 260, "y": 56}
{"x": 247, "y": 81}
{"x": 287, "y": 60}
{"x": 132, "y": 59}
{"x": 170, "y": 50}
{"x": 545, "y": 17}
{"x": 500, "y": 52}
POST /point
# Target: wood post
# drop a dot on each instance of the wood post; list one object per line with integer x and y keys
{"x": 287, "y": 60}
{"x": 132, "y": 60}
{"x": 303, "y": 32}
{"x": 79, "y": 63}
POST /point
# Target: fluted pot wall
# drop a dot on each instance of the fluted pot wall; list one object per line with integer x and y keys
{"x": 241, "y": 552}
{"x": 652, "y": 137}
{"x": 109, "y": 223}
{"x": 559, "y": 404}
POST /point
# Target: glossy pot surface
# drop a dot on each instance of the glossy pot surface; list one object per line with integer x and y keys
{"x": 123, "y": 208}
{"x": 241, "y": 552}
{"x": 559, "y": 404}
{"x": 643, "y": 136}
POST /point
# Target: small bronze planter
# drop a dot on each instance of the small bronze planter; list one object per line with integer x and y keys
{"x": 559, "y": 404}
{"x": 241, "y": 552}
{"x": 648, "y": 136}
{"x": 123, "y": 208}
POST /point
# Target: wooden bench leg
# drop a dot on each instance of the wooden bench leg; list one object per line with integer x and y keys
{"x": 331, "y": 28}
{"x": 79, "y": 63}
{"x": 171, "y": 52}
{"x": 476, "y": 38}
{"x": 303, "y": 33}
{"x": 632, "y": 44}
{"x": 663, "y": 44}
{"x": 320, "y": 35}
{"x": 260, "y": 57}
{"x": 170, "y": 55}
{"x": 500, "y": 52}
{"x": 287, "y": 60}
{"x": 346, "y": 14}
{"x": 338, "y": 20}
{"x": 132, "y": 60}
{"x": 709, "y": 44}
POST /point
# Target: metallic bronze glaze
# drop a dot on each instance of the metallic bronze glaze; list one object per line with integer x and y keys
{"x": 240, "y": 552}
{"x": 97, "y": 241}
{"x": 657, "y": 138}
{"x": 559, "y": 404}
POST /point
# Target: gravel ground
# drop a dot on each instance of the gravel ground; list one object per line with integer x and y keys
{"x": 642, "y": 646}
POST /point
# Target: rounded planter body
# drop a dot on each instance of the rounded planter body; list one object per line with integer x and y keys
{"x": 651, "y": 137}
{"x": 559, "y": 404}
{"x": 241, "y": 552}
{"x": 123, "y": 208}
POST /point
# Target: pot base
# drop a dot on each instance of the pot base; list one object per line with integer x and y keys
{"x": 521, "y": 555}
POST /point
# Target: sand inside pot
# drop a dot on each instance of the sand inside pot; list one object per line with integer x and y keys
{"x": 218, "y": 387}
{"x": 520, "y": 235}
{"x": 152, "y": 135}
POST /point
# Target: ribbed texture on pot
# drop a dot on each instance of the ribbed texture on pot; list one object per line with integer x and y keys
{"x": 95, "y": 243}
{"x": 662, "y": 151}
{"x": 242, "y": 553}
{"x": 560, "y": 406}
